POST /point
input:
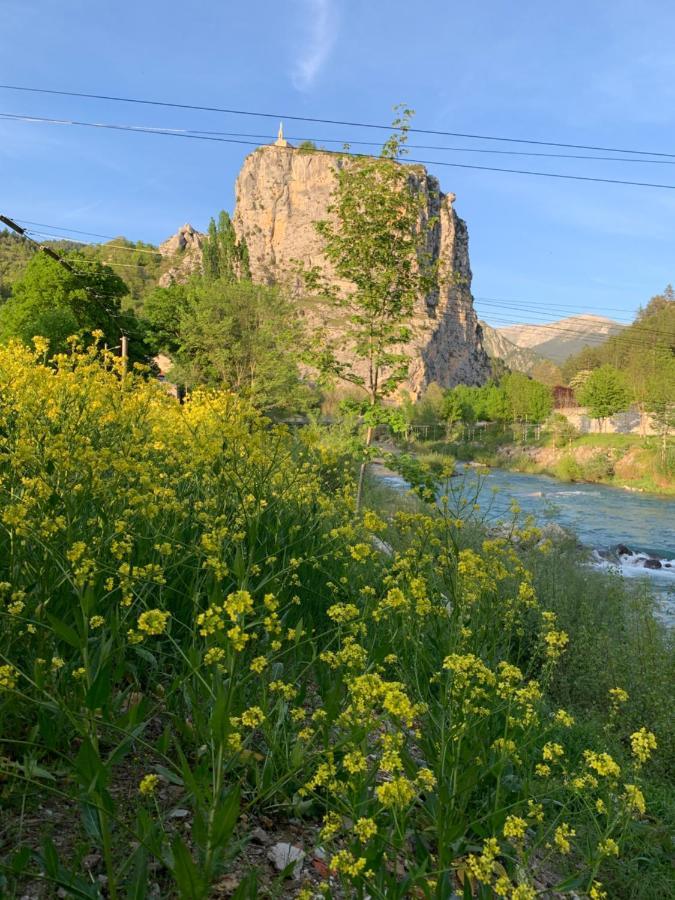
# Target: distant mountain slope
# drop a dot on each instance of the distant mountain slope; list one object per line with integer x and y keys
{"x": 556, "y": 341}
{"x": 518, "y": 359}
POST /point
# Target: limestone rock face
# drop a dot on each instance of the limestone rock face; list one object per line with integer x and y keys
{"x": 186, "y": 247}
{"x": 282, "y": 192}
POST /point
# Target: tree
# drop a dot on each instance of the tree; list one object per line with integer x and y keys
{"x": 376, "y": 241}
{"x": 223, "y": 256}
{"x": 452, "y": 408}
{"x": 54, "y": 302}
{"x": 496, "y": 403}
{"x": 162, "y": 311}
{"x": 540, "y": 401}
{"x": 604, "y": 393}
{"x": 660, "y": 401}
{"x": 243, "y": 336}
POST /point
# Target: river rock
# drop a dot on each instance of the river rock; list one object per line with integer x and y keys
{"x": 623, "y": 550}
{"x": 283, "y": 854}
{"x": 652, "y": 564}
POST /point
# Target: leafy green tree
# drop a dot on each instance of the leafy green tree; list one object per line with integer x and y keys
{"x": 452, "y": 408}
{"x": 496, "y": 405}
{"x": 162, "y": 311}
{"x": 376, "y": 241}
{"x": 540, "y": 401}
{"x": 604, "y": 393}
{"x": 223, "y": 256}
{"x": 54, "y": 302}
{"x": 429, "y": 408}
{"x": 243, "y": 336}
{"x": 660, "y": 401}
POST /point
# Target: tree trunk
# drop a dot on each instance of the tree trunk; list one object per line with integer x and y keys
{"x": 362, "y": 470}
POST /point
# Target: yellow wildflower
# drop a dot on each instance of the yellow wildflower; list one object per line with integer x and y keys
{"x": 397, "y": 792}
{"x": 602, "y": 763}
{"x": 563, "y": 718}
{"x": 635, "y": 799}
{"x": 252, "y": 717}
{"x": 365, "y": 829}
{"x": 642, "y": 743}
{"x": 345, "y": 863}
{"x": 214, "y": 656}
{"x": 148, "y": 785}
{"x": 9, "y": 676}
{"x": 355, "y": 762}
{"x": 515, "y": 828}
{"x": 608, "y": 847}
{"x": 481, "y": 867}
{"x": 552, "y": 752}
{"x": 153, "y": 621}
{"x": 618, "y": 695}
{"x": 562, "y": 836}
{"x": 238, "y": 637}
{"x": 238, "y": 604}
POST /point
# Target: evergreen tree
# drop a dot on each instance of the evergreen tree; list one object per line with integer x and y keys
{"x": 223, "y": 256}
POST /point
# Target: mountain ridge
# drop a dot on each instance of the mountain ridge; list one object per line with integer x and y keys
{"x": 557, "y": 341}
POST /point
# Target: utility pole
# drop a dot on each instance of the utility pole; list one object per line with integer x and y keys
{"x": 124, "y": 352}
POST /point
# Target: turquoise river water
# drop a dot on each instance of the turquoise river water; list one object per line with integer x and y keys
{"x": 609, "y": 521}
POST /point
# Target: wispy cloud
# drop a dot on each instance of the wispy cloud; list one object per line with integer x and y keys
{"x": 319, "y": 30}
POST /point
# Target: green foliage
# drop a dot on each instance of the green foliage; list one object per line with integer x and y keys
{"x": 429, "y": 408}
{"x": 639, "y": 350}
{"x": 223, "y": 256}
{"x": 605, "y": 393}
{"x": 137, "y": 263}
{"x": 55, "y": 303}
{"x": 163, "y": 310}
{"x": 240, "y": 335}
{"x": 376, "y": 243}
{"x": 198, "y": 631}
{"x": 528, "y": 400}
{"x": 561, "y": 429}
{"x": 515, "y": 398}
{"x": 568, "y": 469}
{"x": 15, "y": 252}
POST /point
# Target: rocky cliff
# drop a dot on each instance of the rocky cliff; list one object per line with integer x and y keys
{"x": 185, "y": 246}
{"x": 282, "y": 192}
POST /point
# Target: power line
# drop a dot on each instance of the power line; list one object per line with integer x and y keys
{"x": 529, "y": 307}
{"x": 49, "y": 251}
{"x": 317, "y": 120}
{"x": 105, "y": 247}
{"x": 515, "y": 303}
{"x": 426, "y": 162}
{"x": 622, "y": 339}
{"x": 350, "y": 142}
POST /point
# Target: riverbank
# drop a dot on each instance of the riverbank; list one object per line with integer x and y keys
{"x": 623, "y": 461}
{"x": 615, "y": 640}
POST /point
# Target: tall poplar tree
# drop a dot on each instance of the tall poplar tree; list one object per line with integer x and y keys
{"x": 376, "y": 240}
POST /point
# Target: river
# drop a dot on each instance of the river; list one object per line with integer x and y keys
{"x": 607, "y": 520}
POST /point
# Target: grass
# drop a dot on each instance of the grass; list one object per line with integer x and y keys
{"x": 202, "y": 637}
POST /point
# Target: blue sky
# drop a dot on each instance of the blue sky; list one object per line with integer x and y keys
{"x": 590, "y": 72}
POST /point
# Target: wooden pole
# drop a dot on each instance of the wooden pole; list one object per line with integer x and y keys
{"x": 125, "y": 352}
